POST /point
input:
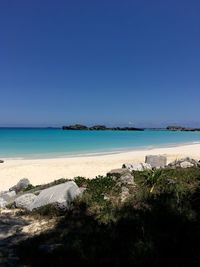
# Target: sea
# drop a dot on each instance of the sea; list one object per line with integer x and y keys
{"x": 51, "y": 142}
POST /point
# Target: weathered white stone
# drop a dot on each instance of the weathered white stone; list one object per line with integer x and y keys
{"x": 156, "y": 161}
{"x": 21, "y": 185}
{"x": 9, "y": 196}
{"x": 25, "y": 201}
{"x": 60, "y": 195}
{"x": 3, "y": 203}
{"x": 184, "y": 163}
{"x": 137, "y": 166}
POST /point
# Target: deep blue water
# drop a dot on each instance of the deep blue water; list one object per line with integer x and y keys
{"x": 18, "y": 142}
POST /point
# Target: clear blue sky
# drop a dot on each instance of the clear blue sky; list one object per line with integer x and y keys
{"x": 110, "y": 62}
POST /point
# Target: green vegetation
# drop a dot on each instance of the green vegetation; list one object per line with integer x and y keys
{"x": 158, "y": 225}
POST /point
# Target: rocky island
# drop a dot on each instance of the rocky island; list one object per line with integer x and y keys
{"x": 183, "y": 129}
{"x": 100, "y": 128}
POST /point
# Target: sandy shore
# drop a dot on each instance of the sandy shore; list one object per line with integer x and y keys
{"x": 41, "y": 171}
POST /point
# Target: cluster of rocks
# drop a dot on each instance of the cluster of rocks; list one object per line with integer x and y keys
{"x": 123, "y": 176}
{"x": 137, "y": 166}
{"x": 183, "y": 129}
{"x": 184, "y": 163}
{"x": 100, "y": 128}
{"x": 160, "y": 161}
{"x": 151, "y": 162}
{"x": 60, "y": 195}
{"x": 124, "y": 179}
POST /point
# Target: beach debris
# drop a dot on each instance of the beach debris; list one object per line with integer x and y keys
{"x": 156, "y": 161}
{"x": 123, "y": 176}
{"x": 8, "y": 196}
{"x": 184, "y": 163}
{"x": 1, "y": 161}
{"x": 137, "y": 166}
{"x": 21, "y": 185}
{"x": 3, "y": 203}
{"x": 61, "y": 196}
{"x": 25, "y": 201}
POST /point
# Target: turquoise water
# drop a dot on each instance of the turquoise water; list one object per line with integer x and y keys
{"x": 16, "y": 142}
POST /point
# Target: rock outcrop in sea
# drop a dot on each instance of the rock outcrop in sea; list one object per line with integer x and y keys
{"x": 100, "y": 128}
{"x": 183, "y": 129}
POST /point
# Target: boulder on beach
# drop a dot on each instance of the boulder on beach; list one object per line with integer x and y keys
{"x": 1, "y": 161}
{"x": 137, "y": 166}
{"x": 184, "y": 163}
{"x": 8, "y": 196}
{"x": 3, "y": 203}
{"x": 156, "y": 161}
{"x": 21, "y": 185}
{"x": 25, "y": 201}
{"x": 60, "y": 196}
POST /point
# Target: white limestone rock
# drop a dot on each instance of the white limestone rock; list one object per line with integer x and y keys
{"x": 156, "y": 161}
{"x": 21, "y": 185}
{"x": 9, "y": 196}
{"x": 25, "y": 201}
{"x": 3, "y": 203}
{"x": 184, "y": 163}
{"x": 60, "y": 196}
{"x": 137, "y": 166}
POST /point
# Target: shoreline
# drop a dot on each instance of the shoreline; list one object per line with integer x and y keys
{"x": 98, "y": 153}
{"x": 45, "y": 170}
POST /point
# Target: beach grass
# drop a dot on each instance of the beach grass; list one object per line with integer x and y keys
{"x": 159, "y": 227}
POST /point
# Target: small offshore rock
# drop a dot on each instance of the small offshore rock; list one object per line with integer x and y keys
{"x": 21, "y": 185}
{"x": 61, "y": 196}
{"x": 3, "y": 203}
{"x": 137, "y": 166}
{"x": 156, "y": 161}
{"x": 25, "y": 201}
{"x": 9, "y": 196}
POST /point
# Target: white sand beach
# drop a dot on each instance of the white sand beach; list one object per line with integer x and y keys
{"x": 40, "y": 171}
